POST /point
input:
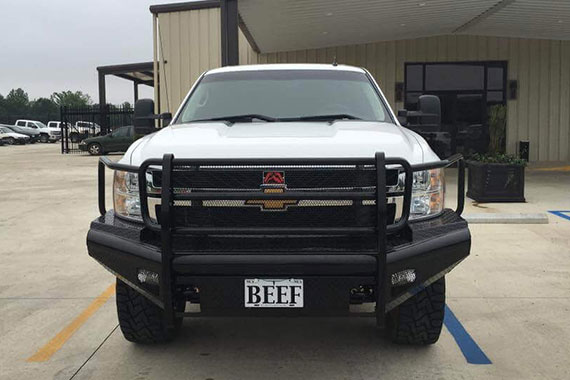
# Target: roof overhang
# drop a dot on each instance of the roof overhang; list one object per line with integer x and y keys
{"x": 140, "y": 73}
{"x": 277, "y": 25}
{"x": 185, "y": 6}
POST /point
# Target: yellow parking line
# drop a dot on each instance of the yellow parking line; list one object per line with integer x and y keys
{"x": 46, "y": 352}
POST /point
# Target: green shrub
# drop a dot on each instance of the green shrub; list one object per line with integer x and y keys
{"x": 499, "y": 158}
{"x": 497, "y": 135}
{"x": 497, "y": 128}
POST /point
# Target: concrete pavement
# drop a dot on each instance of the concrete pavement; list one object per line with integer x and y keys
{"x": 512, "y": 295}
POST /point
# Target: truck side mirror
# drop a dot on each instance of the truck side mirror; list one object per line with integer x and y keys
{"x": 403, "y": 117}
{"x": 143, "y": 119}
{"x": 430, "y": 110}
{"x": 166, "y": 117}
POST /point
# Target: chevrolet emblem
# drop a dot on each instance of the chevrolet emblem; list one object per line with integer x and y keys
{"x": 272, "y": 205}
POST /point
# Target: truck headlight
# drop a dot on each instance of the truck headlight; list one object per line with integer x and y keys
{"x": 428, "y": 193}
{"x": 126, "y": 199}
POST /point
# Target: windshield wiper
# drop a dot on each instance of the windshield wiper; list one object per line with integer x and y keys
{"x": 332, "y": 117}
{"x": 238, "y": 118}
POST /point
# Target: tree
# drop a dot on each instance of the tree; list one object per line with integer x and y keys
{"x": 3, "y": 111}
{"x": 44, "y": 109}
{"x": 17, "y": 102}
{"x": 71, "y": 99}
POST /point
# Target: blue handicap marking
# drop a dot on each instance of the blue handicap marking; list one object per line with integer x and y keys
{"x": 472, "y": 352}
{"x": 561, "y": 213}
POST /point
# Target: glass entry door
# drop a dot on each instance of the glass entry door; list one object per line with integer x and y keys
{"x": 466, "y": 90}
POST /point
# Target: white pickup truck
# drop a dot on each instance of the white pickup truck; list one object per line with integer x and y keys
{"x": 47, "y": 134}
{"x": 79, "y": 131}
{"x": 280, "y": 190}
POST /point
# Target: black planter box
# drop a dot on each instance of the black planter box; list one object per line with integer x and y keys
{"x": 495, "y": 182}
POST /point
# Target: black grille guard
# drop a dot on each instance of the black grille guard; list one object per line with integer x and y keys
{"x": 168, "y": 229}
{"x": 380, "y": 162}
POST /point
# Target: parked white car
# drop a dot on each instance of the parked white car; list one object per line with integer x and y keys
{"x": 79, "y": 131}
{"x": 84, "y": 129}
{"x": 10, "y": 137}
{"x": 87, "y": 127}
{"x": 47, "y": 134}
{"x": 31, "y": 133}
{"x": 57, "y": 124}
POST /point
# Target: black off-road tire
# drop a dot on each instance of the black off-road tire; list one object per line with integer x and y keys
{"x": 142, "y": 321}
{"x": 418, "y": 321}
{"x": 44, "y": 138}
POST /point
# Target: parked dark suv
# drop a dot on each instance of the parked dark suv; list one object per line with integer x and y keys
{"x": 117, "y": 141}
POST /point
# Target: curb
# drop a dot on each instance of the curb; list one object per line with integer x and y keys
{"x": 522, "y": 218}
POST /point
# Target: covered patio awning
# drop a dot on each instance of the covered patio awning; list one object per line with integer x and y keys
{"x": 277, "y": 26}
{"x": 138, "y": 73}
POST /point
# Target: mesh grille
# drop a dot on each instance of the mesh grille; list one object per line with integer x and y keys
{"x": 295, "y": 178}
{"x": 318, "y": 216}
{"x": 298, "y": 213}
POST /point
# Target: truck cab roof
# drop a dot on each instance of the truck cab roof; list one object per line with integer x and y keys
{"x": 286, "y": 66}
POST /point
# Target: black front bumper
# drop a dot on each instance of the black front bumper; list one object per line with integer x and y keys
{"x": 432, "y": 249}
{"x": 369, "y": 258}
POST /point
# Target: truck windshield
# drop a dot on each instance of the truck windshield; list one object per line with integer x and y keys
{"x": 284, "y": 95}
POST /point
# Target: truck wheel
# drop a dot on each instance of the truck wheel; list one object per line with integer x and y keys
{"x": 141, "y": 321}
{"x": 10, "y": 140}
{"x": 95, "y": 149}
{"x": 419, "y": 320}
{"x": 44, "y": 138}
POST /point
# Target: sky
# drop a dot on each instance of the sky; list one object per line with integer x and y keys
{"x": 56, "y": 45}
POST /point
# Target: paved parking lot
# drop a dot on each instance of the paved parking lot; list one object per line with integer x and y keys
{"x": 512, "y": 296}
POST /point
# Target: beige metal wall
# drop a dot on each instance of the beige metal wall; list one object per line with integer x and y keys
{"x": 541, "y": 112}
{"x": 247, "y": 56}
{"x": 189, "y": 43}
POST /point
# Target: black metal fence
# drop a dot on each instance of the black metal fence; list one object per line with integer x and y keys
{"x": 78, "y": 124}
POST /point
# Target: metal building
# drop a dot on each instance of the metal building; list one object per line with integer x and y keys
{"x": 471, "y": 53}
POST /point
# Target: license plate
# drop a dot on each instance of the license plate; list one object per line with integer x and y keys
{"x": 283, "y": 293}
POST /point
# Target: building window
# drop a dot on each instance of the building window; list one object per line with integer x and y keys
{"x": 414, "y": 78}
{"x": 466, "y": 90}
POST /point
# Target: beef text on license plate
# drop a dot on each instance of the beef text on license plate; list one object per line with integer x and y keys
{"x": 284, "y": 293}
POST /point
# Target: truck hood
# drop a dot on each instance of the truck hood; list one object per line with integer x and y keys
{"x": 49, "y": 129}
{"x": 281, "y": 139}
